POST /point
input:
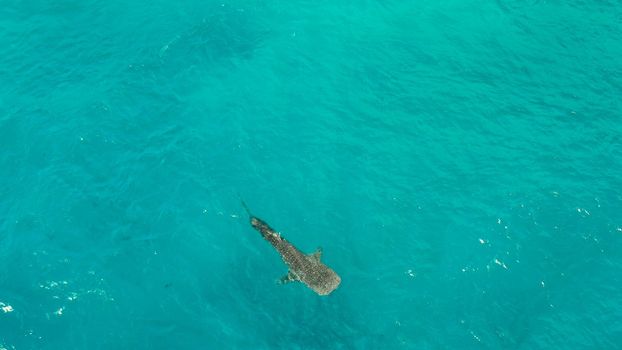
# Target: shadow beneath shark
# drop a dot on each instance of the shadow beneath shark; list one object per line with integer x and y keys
{"x": 222, "y": 35}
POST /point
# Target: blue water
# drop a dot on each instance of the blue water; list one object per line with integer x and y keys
{"x": 460, "y": 163}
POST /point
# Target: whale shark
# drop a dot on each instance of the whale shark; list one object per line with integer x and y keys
{"x": 305, "y": 268}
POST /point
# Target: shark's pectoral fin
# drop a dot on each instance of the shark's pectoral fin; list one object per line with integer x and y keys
{"x": 317, "y": 254}
{"x": 290, "y": 277}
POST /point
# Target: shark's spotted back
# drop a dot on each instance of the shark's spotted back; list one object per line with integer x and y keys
{"x": 306, "y": 268}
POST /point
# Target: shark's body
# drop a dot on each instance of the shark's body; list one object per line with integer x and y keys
{"x": 307, "y": 269}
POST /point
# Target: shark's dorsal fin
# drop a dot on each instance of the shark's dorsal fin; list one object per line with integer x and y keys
{"x": 290, "y": 277}
{"x": 317, "y": 255}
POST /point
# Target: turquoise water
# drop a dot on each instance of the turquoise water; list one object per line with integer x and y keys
{"x": 458, "y": 161}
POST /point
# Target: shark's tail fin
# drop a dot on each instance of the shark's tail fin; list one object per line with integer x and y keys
{"x": 245, "y": 207}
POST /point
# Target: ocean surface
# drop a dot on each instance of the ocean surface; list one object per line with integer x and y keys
{"x": 459, "y": 162}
